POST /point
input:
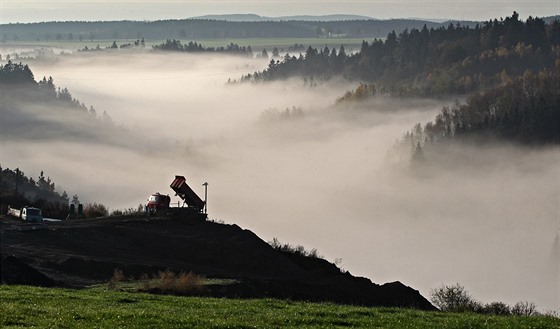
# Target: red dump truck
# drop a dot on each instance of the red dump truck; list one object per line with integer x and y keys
{"x": 159, "y": 203}
{"x": 179, "y": 185}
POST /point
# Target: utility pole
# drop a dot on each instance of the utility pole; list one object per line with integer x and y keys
{"x": 205, "y": 197}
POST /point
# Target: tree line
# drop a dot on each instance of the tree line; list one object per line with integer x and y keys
{"x": 139, "y": 43}
{"x": 18, "y": 190}
{"x": 174, "y": 45}
{"x": 433, "y": 61}
{"x": 195, "y": 47}
{"x": 18, "y": 85}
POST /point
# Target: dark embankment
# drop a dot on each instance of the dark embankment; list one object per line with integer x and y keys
{"x": 80, "y": 253}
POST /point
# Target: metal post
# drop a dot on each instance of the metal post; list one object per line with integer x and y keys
{"x": 17, "y": 180}
{"x": 205, "y": 197}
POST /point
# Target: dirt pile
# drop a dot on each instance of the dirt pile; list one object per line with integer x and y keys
{"x": 79, "y": 253}
{"x": 15, "y": 271}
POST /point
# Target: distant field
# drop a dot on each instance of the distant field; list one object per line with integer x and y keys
{"x": 24, "y": 306}
{"x": 259, "y": 43}
{"x": 256, "y": 43}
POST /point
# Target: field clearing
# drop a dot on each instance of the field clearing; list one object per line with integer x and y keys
{"x": 24, "y": 306}
{"x": 258, "y": 43}
{"x": 351, "y": 44}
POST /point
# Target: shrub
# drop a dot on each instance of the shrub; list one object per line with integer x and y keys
{"x": 92, "y": 210}
{"x": 165, "y": 280}
{"x": 291, "y": 249}
{"x": 187, "y": 282}
{"x": 496, "y": 308}
{"x": 146, "y": 284}
{"x": 129, "y": 212}
{"x": 524, "y": 309}
{"x": 454, "y": 298}
{"x": 117, "y": 277}
{"x": 169, "y": 282}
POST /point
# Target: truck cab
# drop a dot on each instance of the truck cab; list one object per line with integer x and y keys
{"x": 156, "y": 203}
{"x": 30, "y": 214}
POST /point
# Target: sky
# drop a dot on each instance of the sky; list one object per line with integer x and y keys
{"x": 28, "y": 11}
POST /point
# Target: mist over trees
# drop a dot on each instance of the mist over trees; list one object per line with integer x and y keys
{"x": 18, "y": 78}
{"x": 37, "y": 109}
{"x": 509, "y": 68}
{"x": 524, "y": 111}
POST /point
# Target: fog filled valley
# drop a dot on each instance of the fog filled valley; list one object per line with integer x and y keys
{"x": 325, "y": 176}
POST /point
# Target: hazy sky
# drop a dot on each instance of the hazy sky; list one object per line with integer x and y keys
{"x": 25, "y": 11}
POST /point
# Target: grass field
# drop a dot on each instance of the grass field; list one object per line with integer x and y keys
{"x": 23, "y": 306}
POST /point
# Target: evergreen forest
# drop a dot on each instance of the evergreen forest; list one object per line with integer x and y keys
{"x": 525, "y": 111}
{"x": 507, "y": 69}
{"x": 433, "y": 62}
{"x": 61, "y": 114}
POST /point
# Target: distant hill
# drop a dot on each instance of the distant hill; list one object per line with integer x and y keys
{"x": 238, "y": 26}
{"x": 550, "y": 19}
{"x": 235, "y": 18}
{"x": 308, "y": 18}
{"x": 325, "y": 18}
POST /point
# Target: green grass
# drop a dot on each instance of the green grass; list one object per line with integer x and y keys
{"x": 23, "y": 306}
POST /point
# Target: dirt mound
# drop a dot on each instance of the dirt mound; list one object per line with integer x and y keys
{"x": 15, "y": 271}
{"x": 79, "y": 253}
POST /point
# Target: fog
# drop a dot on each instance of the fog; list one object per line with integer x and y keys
{"x": 325, "y": 180}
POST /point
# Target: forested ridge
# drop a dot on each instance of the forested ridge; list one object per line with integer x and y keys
{"x": 199, "y": 28}
{"x": 525, "y": 110}
{"x": 18, "y": 84}
{"x": 433, "y": 61}
{"x": 39, "y": 110}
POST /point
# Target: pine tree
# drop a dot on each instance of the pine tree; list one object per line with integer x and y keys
{"x": 418, "y": 155}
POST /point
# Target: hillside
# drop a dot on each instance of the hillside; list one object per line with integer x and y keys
{"x": 433, "y": 62}
{"x": 81, "y": 253}
{"x": 258, "y": 18}
{"x": 197, "y": 28}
